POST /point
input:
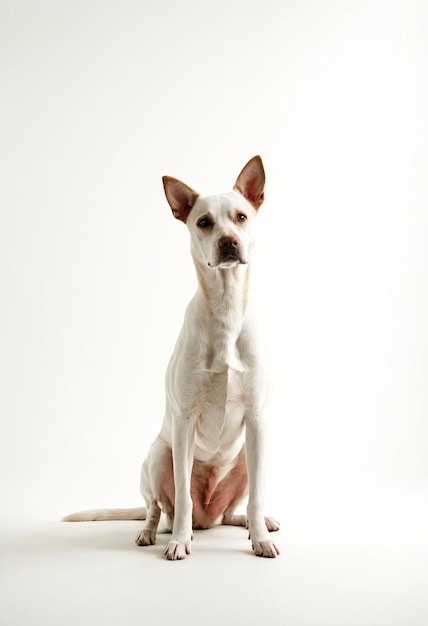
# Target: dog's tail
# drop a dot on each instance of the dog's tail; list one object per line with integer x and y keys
{"x": 106, "y": 515}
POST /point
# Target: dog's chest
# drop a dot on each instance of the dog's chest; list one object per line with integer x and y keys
{"x": 219, "y": 415}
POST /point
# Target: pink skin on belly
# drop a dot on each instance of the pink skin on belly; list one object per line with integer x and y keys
{"x": 210, "y": 497}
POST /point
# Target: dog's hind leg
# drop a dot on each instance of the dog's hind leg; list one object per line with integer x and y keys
{"x": 236, "y": 483}
{"x": 229, "y": 519}
{"x": 147, "y": 536}
{"x": 157, "y": 463}
{"x": 239, "y": 478}
{"x": 168, "y": 509}
{"x": 271, "y": 524}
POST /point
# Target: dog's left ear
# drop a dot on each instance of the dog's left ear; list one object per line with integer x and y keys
{"x": 181, "y": 197}
{"x": 251, "y": 182}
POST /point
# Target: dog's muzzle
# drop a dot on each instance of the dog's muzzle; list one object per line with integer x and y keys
{"x": 229, "y": 252}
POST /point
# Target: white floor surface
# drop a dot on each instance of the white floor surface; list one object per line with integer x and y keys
{"x": 93, "y": 573}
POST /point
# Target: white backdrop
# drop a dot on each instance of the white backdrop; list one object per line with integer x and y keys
{"x": 99, "y": 100}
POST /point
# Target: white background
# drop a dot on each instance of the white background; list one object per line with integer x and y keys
{"x": 99, "y": 100}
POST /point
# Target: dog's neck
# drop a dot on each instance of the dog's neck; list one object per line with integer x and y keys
{"x": 225, "y": 296}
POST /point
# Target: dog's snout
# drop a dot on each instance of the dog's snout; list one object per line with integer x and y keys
{"x": 228, "y": 244}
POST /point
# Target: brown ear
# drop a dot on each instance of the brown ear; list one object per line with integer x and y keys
{"x": 251, "y": 182}
{"x": 181, "y": 198}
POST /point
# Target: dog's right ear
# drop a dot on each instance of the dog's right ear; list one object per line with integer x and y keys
{"x": 251, "y": 182}
{"x": 181, "y": 197}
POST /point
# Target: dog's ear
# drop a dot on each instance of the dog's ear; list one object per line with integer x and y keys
{"x": 251, "y": 182}
{"x": 181, "y": 198}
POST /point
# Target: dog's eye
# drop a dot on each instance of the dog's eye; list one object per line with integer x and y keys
{"x": 204, "y": 223}
{"x": 241, "y": 217}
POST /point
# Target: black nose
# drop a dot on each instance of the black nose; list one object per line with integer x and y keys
{"x": 228, "y": 244}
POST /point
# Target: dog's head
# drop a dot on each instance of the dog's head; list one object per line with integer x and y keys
{"x": 221, "y": 227}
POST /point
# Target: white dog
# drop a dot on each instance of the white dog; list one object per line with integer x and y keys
{"x": 199, "y": 469}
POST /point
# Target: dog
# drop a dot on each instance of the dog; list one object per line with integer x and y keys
{"x": 210, "y": 452}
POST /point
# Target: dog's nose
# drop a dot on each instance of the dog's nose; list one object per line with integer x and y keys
{"x": 228, "y": 244}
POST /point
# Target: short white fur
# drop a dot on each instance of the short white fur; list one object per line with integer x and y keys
{"x": 217, "y": 384}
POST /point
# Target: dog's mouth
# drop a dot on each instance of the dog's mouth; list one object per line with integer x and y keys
{"x": 228, "y": 259}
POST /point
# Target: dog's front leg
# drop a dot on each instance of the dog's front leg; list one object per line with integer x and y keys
{"x": 182, "y": 456}
{"x": 255, "y": 452}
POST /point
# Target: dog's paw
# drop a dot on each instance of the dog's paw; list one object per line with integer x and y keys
{"x": 271, "y": 524}
{"x": 146, "y": 538}
{"x": 177, "y": 550}
{"x": 265, "y": 548}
